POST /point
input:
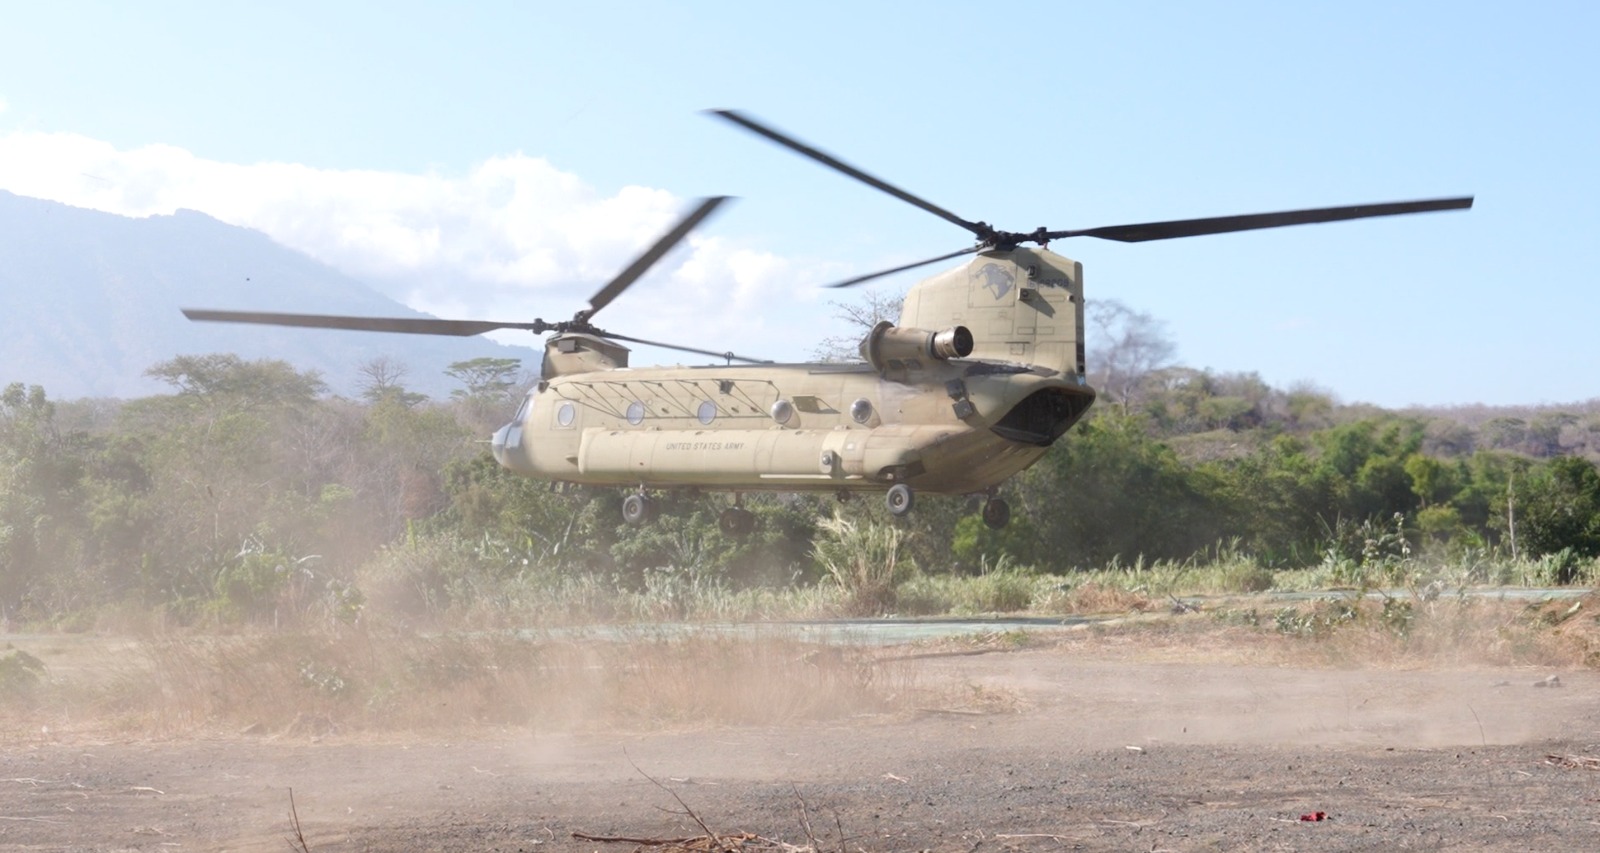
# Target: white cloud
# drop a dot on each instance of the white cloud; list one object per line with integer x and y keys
{"x": 513, "y": 238}
{"x": 512, "y": 219}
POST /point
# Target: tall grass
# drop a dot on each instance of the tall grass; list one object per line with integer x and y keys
{"x": 442, "y": 583}
{"x": 863, "y": 560}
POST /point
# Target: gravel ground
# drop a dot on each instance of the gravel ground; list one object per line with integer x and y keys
{"x": 1036, "y": 749}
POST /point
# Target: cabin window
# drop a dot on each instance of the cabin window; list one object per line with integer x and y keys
{"x": 861, "y": 411}
{"x": 565, "y": 413}
{"x": 636, "y": 413}
{"x": 782, "y": 411}
{"x": 707, "y": 412}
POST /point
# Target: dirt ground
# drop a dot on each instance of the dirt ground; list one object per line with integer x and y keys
{"x": 1069, "y": 746}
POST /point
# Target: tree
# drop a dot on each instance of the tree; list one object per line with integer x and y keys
{"x": 249, "y": 384}
{"x": 1125, "y": 346}
{"x": 492, "y": 387}
{"x": 870, "y": 308}
{"x": 1558, "y": 507}
{"x": 41, "y": 513}
{"x": 381, "y": 379}
{"x": 236, "y": 458}
{"x": 1111, "y": 491}
{"x": 1309, "y": 407}
{"x": 490, "y": 379}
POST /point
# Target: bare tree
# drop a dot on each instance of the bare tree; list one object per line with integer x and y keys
{"x": 869, "y": 309}
{"x": 381, "y": 376}
{"x": 1125, "y": 346}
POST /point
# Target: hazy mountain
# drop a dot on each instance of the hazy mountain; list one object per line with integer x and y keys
{"x": 89, "y": 300}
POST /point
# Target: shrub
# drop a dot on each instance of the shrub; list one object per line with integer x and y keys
{"x": 862, "y": 557}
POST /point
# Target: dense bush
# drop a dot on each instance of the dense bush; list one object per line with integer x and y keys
{"x": 247, "y": 495}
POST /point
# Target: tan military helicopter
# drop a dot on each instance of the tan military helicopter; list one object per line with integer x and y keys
{"x": 983, "y": 372}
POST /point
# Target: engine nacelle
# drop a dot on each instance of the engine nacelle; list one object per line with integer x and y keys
{"x": 575, "y": 352}
{"x": 888, "y": 348}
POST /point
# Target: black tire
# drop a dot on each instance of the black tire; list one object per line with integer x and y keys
{"x": 900, "y": 499}
{"x": 996, "y": 513}
{"x": 636, "y": 509}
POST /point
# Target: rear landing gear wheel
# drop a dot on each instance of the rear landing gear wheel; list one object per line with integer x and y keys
{"x": 638, "y": 509}
{"x": 996, "y": 513}
{"x": 736, "y": 522}
{"x": 900, "y": 499}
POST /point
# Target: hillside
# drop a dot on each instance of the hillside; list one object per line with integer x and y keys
{"x": 90, "y": 300}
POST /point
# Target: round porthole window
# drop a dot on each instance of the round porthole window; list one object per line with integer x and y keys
{"x": 636, "y": 413}
{"x": 565, "y": 413}
{"x": 707, "y": 412}
{"x": 861, "y": 411}
{"x": 782, "y": 411}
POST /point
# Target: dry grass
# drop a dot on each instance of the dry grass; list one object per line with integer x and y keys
{"x": 366, "y": 682}
{"x": 1094, "y": 596}
{"x": 352, "y": 681}
{"x": 1341, "y": 632}
{"x": 1411, "y": 631}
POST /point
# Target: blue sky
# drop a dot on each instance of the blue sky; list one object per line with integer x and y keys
{"x": 500, "y": 159}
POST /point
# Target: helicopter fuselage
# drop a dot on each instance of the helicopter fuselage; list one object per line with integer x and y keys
{"x": 955, "y": 420}
{"x": 963, "y": 427}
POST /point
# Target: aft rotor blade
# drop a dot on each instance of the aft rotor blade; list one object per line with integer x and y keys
{"x": 1249, "y": 222}
{"x": 405, "y": 325}
{"x": 851, "y": 282}
{"x": 727, "y": 355}
{"x": 647, "y": 260}
{"x": 835, "y": 163}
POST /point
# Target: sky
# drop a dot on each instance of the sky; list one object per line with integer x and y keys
{"x": 501, "y": 160}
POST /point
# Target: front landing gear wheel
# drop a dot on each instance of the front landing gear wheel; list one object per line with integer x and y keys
{"x": 996, "y": 513}
{"x": 900, "y": 499}
{"x": 638, "y": 509}
{"x": 736, "y": 522}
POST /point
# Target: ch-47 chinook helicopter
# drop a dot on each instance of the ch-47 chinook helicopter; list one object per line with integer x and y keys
{"x": 983, "y": 372}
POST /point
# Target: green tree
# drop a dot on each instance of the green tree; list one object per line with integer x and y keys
{"x": 491, "y": 387}
{"x": 41, "y": 495}
{"x": 249, "y": 384}
{"x": 1110, "y": 490}
{"x": 1559, "y": 508}
{"x": 491, "y": 379}
{"x": 234, "y": 459}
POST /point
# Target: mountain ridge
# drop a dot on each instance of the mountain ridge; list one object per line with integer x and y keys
{"x": 90, "y": 300}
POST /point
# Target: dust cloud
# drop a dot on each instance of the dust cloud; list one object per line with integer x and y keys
{"x": 1094, "y": 736}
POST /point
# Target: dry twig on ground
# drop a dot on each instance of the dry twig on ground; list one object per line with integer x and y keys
{"x": 1585, "y": 762}
{"x": 298, "y": 843}
{"x": 711, "y": 842}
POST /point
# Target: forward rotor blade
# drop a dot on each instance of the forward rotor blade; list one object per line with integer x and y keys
{"x": 647, "y": 260}
{"x": 835, "y": 163}
{"x": 1249, "y": 222}
{"x": 727, "y": 355}
{"x": 406, "y": 325}
{"x": 851, "y": 282}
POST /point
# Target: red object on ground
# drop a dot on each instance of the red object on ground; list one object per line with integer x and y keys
{"x": 1310, "y": 817}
